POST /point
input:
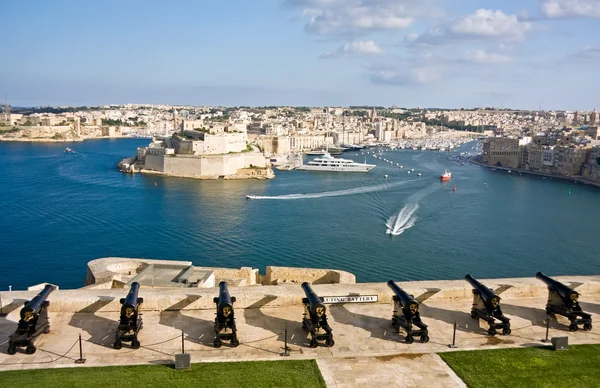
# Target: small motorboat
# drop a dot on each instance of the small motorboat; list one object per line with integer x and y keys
{"x": 68, "y": 150}
{"x": 446, "y": 176}
{"x": 419, "y": 174}
{"x": 385, "y": 176}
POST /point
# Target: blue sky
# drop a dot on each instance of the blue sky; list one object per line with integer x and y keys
{"x": 433, "y": 53}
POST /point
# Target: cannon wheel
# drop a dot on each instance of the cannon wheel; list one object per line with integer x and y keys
{"x": 12, "y": 349}
{"x": 587, "y": 326}
{"x": 234, "y": 342}
{"x": 329, "y": 342}
{"x": 548, "y": 311}
{"x": 135, "y": 343}
{"x": 573, "y": 327}
{"x": 118, "y": 344}
{"x": 491, "y": 332}
{"x": 313, "y": 343}
{"x": 304, "y": 325}
{"x": 409, "y": 339}
{"x": 424, "y": 338}
{"x": 30, "y": 349}
{"x": 506, "y": 331}
{"x": 218, "y": 343}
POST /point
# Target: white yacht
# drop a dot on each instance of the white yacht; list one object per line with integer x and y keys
{"x": 329, "y": 163}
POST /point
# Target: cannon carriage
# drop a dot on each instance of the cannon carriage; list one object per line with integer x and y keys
{"x": 314, "y": 319}
{"x": 486, "y": 306}
{"x": 225, "y": 328}
{"x": 34, "y": 322}
{"x": 406, "y": 315}
{"x": 130, "y": 321}
{"x": 564, "y": 300}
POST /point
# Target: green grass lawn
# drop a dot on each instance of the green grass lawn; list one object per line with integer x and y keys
{"x": 528, "y": 367}
{"x": 302, "y": 373}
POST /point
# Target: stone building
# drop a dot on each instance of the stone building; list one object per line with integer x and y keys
{"x": 591, "y": 168}
{"x": 501, "y": 151}
{"x": 569, "y": 160}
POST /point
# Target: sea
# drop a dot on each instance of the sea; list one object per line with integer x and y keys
{"x": 61, "y": 210}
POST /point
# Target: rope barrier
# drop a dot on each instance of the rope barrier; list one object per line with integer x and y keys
{"x": 44, "y": 362}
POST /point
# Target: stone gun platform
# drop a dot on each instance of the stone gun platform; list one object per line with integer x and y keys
{"x": 366, "y": 349}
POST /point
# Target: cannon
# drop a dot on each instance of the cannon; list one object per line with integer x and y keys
{"x": 564, "y": 300}
{"x": 486, "y": 306}
{"x": 314, "y": 319}
{"x": 34, "y": 321}
{"x": 130, "y": 321}
{"x": 225, "y": 319}
{"x": 406, "y": 314}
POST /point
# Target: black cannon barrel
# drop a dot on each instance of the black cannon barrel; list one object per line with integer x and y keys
{"x": 565, "y": 291}
{"x": 313, "y": 299}
{"x": 405, "y": 298}
{"x": 224, "y": 297}
{"x": 486, "y": 293}
{"x": 35, "y": 304}
{"x": 131, "y": 300}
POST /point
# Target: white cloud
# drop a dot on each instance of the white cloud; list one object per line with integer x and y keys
{"x": 355, "y": 17}
{"x": 405, "y": 75}
{"x": 367, "y": 47}
{"x": 483, "y": 24}
{"x": 483, "y": 57}
{"x": 354, "y": 21}
{"x": 489, "y": 23}
{"x": 561, "y": 9}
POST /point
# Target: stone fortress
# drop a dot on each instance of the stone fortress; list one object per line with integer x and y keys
{"x": 178, "y": 300}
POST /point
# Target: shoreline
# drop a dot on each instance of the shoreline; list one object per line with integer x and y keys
{"x": 206, "y": 178}
{"x": 47, "y": 140}
{"x": 576, "y": 179}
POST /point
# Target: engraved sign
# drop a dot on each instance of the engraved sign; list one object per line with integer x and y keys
{"x": 350, "y": 299}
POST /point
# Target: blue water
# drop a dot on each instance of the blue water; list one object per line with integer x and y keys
{"x": 60, "y": 211}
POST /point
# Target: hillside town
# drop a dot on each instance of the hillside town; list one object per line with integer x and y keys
{"x": 569, "y": 149}
{"x": 563, "y": 143}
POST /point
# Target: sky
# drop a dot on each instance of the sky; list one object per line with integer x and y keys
{"x": 525, "y": 54}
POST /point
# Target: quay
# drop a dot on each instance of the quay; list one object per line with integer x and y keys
{"x": 576, "y": 179}
{"x": 366, "y": 347}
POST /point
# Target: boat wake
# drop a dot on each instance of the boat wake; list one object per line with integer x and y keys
{"x": 398, "y": 223}
{"x": 336, "y": 193}
{"x": 405, "y": 219}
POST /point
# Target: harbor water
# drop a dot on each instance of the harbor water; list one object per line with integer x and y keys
{"x": 61, "y": 210}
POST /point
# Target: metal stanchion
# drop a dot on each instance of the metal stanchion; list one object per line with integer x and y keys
{"x": 453, "y": 344}
{"x": 547, "y": 329}
{"x": 183, "y": 361}
{"x": 182, "y": 343}
{"x": 81, "y": 360}
{"x": 286, "y": 350}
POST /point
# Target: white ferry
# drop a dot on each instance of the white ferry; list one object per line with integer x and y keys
{"x": 329, "y": 163}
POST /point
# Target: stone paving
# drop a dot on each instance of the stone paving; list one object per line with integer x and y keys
{"x": 366, "y": 349}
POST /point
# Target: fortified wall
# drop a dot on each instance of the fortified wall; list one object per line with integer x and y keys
{"x": 278, "y": 288}
{"x": 207, "y": 166}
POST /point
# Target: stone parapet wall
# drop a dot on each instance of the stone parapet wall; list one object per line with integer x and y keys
{"x": 107, "y": 300}
{"x": 279, "y": 275}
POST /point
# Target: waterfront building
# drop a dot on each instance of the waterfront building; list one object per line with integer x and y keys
{"x": 570, "y": 159}
{"x": 501, "y": 151}
{"x": 591, "y": 168}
